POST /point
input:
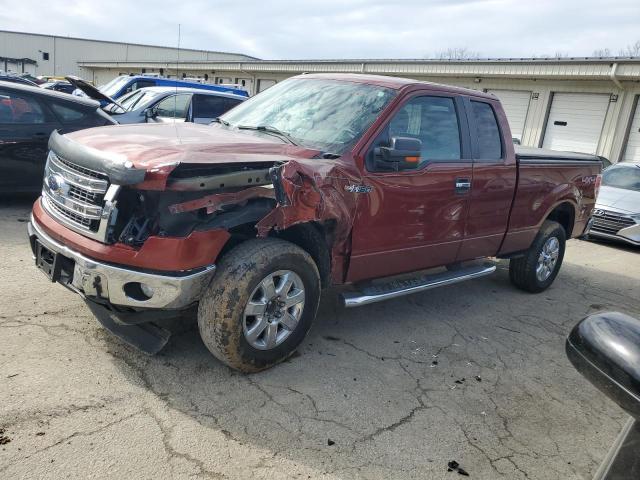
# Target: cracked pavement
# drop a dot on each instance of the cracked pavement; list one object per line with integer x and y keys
{"x": 379, "y": 381}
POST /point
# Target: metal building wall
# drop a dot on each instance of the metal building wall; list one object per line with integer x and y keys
{"x": 65, "y": 53}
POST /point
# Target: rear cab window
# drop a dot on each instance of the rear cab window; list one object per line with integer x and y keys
{"x": 488, "y": 136}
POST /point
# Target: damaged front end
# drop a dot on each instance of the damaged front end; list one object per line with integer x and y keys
{"x": 149, "y": 238}
{"x": 141, "y": 242}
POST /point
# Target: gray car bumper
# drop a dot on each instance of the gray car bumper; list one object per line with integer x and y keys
{"x": 632, "y": 238}
{"x": 115, "y": 284}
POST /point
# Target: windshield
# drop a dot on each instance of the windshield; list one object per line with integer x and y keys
{"x": 137, "y": 99}
{"x": 114, "y": 86}
{"x": 326, "y": 115}
{"x": 622, "y": 176}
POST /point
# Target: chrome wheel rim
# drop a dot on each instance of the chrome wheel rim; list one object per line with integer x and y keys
{"x": 547, "y": 259}
{"x": 274, "y": 310}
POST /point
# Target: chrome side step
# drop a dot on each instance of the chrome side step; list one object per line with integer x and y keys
{"x": 398, "y": 288}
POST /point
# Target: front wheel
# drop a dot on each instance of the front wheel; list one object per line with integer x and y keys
{"x": 260, "y": 304}
{"x": 536, "y": 270}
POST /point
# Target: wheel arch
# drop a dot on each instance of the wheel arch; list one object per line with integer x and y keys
{"x": 315, "y": 239}
{"x": 565, "y": 214}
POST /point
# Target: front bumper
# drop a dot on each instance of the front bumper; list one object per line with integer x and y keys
{"x": 106, "y": 283}
{"x": 630, "y": 235}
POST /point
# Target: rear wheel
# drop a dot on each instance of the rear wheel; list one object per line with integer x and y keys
{"x": 260, "y": 305}
{"x": 537, "y": 269}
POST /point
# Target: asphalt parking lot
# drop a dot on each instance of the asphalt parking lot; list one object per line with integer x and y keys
{"x": 372, "y": 393}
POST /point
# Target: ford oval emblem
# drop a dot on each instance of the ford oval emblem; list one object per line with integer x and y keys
{"x": 56, "y": 183}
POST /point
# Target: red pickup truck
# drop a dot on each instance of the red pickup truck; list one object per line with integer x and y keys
{"x": 387, "y": 185}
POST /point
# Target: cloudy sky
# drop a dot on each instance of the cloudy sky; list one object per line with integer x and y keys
{"x": 295, "y": 29}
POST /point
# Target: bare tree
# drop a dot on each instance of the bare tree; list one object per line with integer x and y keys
{"x": 631, "y": 50}
{"x": 557, "y": 54}
{"x": 603, "y": 52}
{"x": 457, "y": 53}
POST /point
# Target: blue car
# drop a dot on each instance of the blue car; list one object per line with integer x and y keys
{"x": 119, "y": 86}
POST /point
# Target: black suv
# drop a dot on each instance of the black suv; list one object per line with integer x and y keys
{"x": 28, "y": 115}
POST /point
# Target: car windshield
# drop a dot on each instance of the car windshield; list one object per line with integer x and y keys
{"x": 114, "y": 86}
{"x": 326, "y": 115}
{"x": 622, "y": 176}
{"x": 137, "y": 99}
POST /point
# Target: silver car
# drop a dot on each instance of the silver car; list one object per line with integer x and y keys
{"x": 617, "y": 212}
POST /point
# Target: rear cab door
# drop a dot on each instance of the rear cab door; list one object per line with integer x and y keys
{"x": 414, "y": 219}
{"x": 493, "y": 181}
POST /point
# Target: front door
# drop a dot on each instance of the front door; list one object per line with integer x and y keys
{"x": 415, "y": 219}
{"x": 25, "y": 127}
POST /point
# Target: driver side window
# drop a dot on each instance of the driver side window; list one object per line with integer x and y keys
{"x": 433, "y": 121}
{"x": 174, "y": 106}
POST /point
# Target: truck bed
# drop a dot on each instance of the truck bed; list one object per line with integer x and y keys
{"x": 532, "y": 154}
{"x": 547, "y": 178}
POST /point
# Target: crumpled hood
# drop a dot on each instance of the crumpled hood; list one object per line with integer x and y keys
{"x": 618, "y": 199}
{"x": 150, "y": 146}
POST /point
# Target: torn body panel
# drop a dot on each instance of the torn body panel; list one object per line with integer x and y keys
{"x": 306, "y": 194}
{"x": 292, "y": 193}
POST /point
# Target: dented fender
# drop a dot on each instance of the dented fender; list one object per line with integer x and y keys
{"x": 303, "y": 191}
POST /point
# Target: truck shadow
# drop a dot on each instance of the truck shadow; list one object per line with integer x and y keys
{"x": 397, "y": 389}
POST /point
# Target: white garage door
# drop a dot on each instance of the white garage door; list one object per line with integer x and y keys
{"x": 263, "y": 84}
{"x": 632, "y": 151}
{"x": 516, "y": 106}
{"x": 575, "y": 121}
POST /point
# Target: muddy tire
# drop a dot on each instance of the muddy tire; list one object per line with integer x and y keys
{"x": 536, "y": 270}
{"x": 260, "y": 304}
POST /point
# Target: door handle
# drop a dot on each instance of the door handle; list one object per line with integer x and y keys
{"x": 463, "y": 185}
{"x": 39, "y": 135}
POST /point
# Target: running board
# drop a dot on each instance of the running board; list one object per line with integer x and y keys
{"x": 398, "y": 288}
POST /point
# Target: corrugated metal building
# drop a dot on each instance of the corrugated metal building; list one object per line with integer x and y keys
{"x": 58, "y": 56}
{"x": 579, "y": 104}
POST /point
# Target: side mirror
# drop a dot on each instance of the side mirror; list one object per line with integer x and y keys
{"x": 151, "y": 112}
{"x": 605, "y": 349}
{"x": 403, "y": 153}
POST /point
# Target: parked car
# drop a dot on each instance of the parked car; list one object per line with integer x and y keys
{"x": 319, "y": 180}
{"x": 17, "y": 79}
{"x": 28, "y": 115}
{"x": 169, "y": 104}
{"x": 123, "y": 85}
{"x": 617, "y": 212}
{"x": 36, "y": 80}
{"x": 605, "y": 349}
{"x": 59, "y": 86}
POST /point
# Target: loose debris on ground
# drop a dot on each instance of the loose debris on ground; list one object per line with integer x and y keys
{"x": 454, "y": 466}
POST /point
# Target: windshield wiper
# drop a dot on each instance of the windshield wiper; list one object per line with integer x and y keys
{"x": 269, "y": 129}
{"x": 219, "y": 120}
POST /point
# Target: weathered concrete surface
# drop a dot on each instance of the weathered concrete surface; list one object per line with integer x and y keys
{"x": 77, "y": 403}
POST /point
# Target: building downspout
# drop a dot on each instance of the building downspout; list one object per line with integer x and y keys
{"x": 613, "y": 78}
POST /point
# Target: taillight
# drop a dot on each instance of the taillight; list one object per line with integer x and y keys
{"x": 597, "y": 185}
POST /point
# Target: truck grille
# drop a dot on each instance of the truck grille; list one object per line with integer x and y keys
{"x": 79, "y": 198}
{"x": 605, "y": 221}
